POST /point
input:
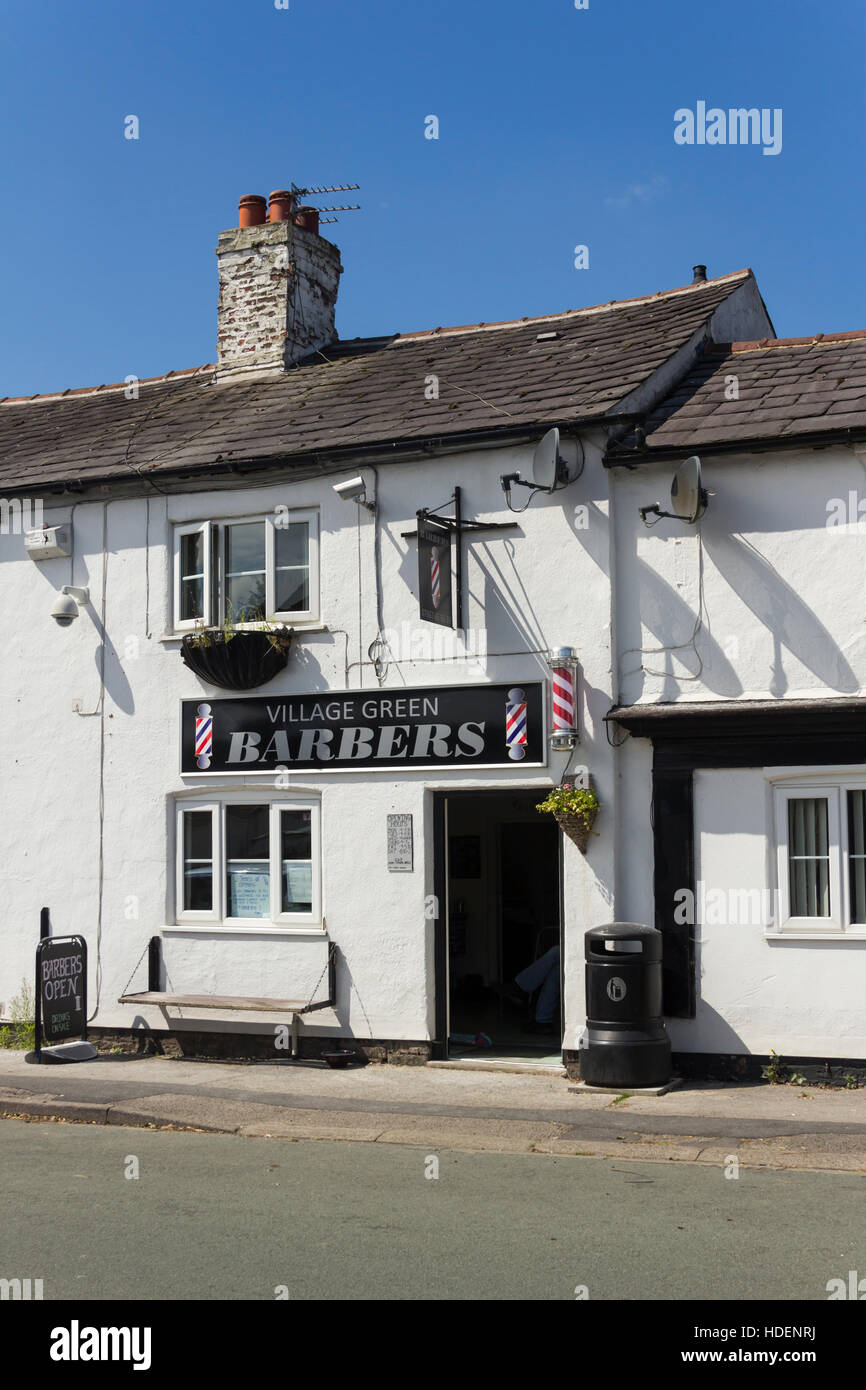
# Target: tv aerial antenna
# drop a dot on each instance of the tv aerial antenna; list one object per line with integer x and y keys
{"x": 328, "y": 188}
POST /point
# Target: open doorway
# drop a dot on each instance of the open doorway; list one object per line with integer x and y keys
{"x": 503, "y": 972}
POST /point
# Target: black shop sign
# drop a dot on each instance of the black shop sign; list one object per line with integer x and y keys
{"x": 434, "y": 572}
{"x": 457, "y": 727}
{"x": 61, "y": 988}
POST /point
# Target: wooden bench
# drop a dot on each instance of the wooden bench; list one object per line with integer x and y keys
{"x": 229, "y": 1003}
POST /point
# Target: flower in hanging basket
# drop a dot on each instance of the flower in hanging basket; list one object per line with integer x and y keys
{"x": 280, "y": 637}
{"x": 237, "y": 658}
{"x": 575, "y": 810}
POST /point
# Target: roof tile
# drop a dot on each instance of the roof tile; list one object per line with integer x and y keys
{"x": 371, "y": 392}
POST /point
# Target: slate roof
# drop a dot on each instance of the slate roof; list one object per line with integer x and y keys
{"x": 366, "y": 393}
{"x": 788, "y": 388}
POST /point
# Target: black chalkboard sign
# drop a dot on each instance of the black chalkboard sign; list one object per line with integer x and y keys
{"x": 61, "y": 989}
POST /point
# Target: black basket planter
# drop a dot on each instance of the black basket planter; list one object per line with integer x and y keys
{"x": 240, "y": 662}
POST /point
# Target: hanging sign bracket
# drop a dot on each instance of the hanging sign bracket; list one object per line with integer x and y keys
{"x": 460, "y": 527}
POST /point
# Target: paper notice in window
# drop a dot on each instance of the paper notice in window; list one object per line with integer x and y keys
{"x": 249, "y": 890}
{"x": 297, "y": 886}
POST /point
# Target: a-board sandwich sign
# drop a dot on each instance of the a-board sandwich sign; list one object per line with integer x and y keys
{"x": 61, "y": 989}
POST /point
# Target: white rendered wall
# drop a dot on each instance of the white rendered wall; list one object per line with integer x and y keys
{"x": 542, "y": 585}
{"x": 803, "y": 998}
{"x": 784, "y": 618}
{"x": 783, "y": 589}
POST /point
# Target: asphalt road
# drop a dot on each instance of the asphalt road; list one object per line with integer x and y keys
{"x": 216, "y": 1216}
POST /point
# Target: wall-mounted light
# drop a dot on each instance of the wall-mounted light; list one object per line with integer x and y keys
{"x": 355, "y": 490}
{"x": 67, "y": 603}
{"x": 563, "y": 697}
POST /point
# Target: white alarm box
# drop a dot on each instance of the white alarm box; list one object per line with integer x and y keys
{"x": 49, "y": 543}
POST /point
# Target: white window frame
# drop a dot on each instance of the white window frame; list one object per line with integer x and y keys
{"x": 277, "y": 915}
{"x": 214, "y": 532}
{"x": 204, "y": 529}
{"x": 217, "y": 919}
{"x": 196, "y": 915}
{"x": 834, "y": 784}
{"x": 833, "y": 793}
{"x": 311, "y": 516}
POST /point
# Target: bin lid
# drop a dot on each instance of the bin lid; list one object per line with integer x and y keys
{"x": 621, "y": 930}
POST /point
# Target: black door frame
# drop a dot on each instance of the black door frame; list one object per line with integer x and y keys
{"x": 441, "y": 982}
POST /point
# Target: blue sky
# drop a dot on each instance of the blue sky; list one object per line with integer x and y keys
{"x": 556, "y": 129}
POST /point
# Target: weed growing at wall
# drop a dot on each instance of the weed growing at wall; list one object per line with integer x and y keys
{"x": 21, "y": 1032}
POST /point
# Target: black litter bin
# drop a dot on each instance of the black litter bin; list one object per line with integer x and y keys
{"x": 625, "y": 1043}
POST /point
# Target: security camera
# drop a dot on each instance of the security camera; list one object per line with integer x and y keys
{"x": 67, "y": 603}
{"x": 354, "y": 490}
{"x": 65, "y": 610}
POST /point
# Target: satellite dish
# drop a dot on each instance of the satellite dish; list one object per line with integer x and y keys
{"x": 545, "y": 461}
{"x": 688, "y": 497}
{"x": 556, "y": 462}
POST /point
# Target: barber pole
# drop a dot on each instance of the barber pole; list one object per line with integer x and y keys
{"x": 435, "y": 580}
{"x": 563, "y": 697}
{"x": 203, "y": 736}
{"x": 515, "y": 723}
{"x": 562, "y": 690}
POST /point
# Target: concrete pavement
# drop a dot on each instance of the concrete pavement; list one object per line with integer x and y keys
{"x": 763, "y": 1126}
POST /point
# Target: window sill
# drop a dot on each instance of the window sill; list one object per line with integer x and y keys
{"x": 248, "y": 928}
{"x": 175, "y": 638}
{"x": 829, "y": 935}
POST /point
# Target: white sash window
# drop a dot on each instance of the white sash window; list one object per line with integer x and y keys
{"x": 821, "y": 856}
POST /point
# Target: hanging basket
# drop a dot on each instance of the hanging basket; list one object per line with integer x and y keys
{"x": 239, "y": 661}
{"x": 577, "y": 828}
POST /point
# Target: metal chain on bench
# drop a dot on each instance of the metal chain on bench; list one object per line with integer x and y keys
{"x": 125, "y": 989}
{"x": 321, "y": 977}
{"x": 135, "y": 967}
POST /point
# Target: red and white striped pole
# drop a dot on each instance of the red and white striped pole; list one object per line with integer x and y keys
{"x": 563, "y": 697}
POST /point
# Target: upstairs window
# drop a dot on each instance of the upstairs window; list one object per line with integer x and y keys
{"x": 247, "y": 571}
{"x": 195, "y": 596}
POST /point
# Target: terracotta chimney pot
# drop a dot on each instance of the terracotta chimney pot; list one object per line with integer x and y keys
{"x": 281, "y": 205}
{"x": 308, "y": 218}
{"x": 251, "y": 210}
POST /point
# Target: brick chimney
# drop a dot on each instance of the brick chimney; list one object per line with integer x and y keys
{"x": 278, "y": 283}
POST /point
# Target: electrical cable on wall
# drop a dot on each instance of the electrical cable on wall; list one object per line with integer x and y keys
{"x": 568, "y": 762}
{"x": 360, "y": 613}
{"x": 85, "y": 714}
{"x": 679, "y": 646}
{"x": 378, "y": 647}
{"x": 611, "y": 744}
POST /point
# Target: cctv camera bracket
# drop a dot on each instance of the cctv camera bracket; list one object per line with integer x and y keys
{"x": 359, "y": 498}
{"x": 80, "y": 595}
